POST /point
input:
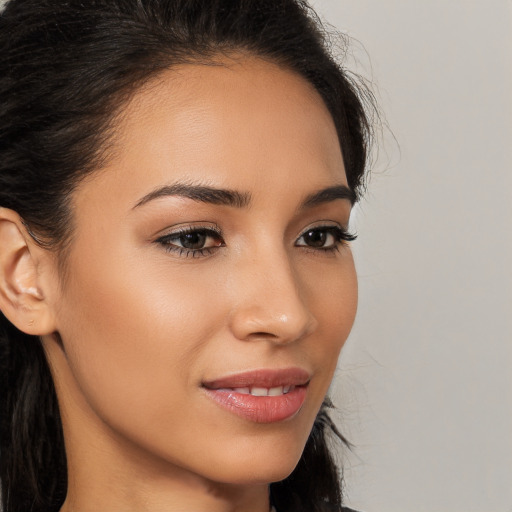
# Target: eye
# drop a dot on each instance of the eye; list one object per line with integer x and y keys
{"x": 193, "y": 242}
{"x": 324, "y": 238}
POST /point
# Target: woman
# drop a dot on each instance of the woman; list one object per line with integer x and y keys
{"x": 176, "y": 181}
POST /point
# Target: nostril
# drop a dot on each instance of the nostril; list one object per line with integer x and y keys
{"x": 263, "y": 334}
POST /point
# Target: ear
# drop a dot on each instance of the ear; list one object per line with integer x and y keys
{"x": 22, "y": 300}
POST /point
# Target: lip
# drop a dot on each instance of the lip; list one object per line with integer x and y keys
{"x": 260, "y": 409}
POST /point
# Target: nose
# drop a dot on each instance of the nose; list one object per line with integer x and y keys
{"x": 270, "y": 302}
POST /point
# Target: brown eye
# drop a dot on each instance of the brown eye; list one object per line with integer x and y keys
{"x": 324, "y": 238}
{"x": 193, "y": 241}
{"x": 315, "y": 238}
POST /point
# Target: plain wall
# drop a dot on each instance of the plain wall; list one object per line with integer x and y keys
{"x": 424, "y": 385}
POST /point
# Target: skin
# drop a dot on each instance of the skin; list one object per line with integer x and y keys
{"x": 134, "y": 329}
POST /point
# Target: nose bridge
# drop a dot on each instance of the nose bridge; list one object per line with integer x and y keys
{"x": 270, "y": 301}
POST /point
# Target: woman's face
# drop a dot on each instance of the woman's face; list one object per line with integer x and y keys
{"x": 207, "y": 266}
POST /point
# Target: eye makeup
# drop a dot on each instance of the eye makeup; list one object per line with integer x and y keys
{"x": 192, "y": 241}
{"x": 201, "y": 241}
{"x": 325, "y": 238}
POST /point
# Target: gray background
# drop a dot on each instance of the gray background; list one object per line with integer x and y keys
{"x": 424, "y": 385}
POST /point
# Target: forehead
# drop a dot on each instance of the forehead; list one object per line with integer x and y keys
{"x": 242, "y": 123}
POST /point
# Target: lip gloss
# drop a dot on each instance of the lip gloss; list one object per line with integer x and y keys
{"x": 260, "y": 409}
{"x": 261, "y": 396}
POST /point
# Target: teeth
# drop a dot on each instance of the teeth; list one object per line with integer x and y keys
{"x": 259, "y": 391}
{"x": 275, "y": 391}
{"x": 256, "y": 391}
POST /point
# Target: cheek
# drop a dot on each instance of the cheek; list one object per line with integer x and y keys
{"x": 132, "y": 334}
{"x": 332, "y": 296}
{"x": 139, "y": 337}
{"x": 333, "y": 299}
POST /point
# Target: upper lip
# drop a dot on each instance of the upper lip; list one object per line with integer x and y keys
{"x": 264, "y": 378}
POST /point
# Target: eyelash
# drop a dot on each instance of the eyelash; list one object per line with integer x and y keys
{"x": 341, "y": 237}
{"x": 166, "y": 241}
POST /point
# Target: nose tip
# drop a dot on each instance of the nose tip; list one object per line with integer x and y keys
{"x": 262, "y": 323}
{"x": 273, "y": 310}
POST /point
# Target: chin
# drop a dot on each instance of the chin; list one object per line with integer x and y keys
{"x": 256, "y": 473}
{"x": 262, "y": 463}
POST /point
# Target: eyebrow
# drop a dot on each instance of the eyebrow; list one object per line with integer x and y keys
{"x": 329, "y": 194}
{"x": 201, "y": 193}
{"x": 233, "y": 198}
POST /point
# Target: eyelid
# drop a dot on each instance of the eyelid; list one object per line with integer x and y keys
{"x": 187, "y": 227}
{"x": 324, "y": 224}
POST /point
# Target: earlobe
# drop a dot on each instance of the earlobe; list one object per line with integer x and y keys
{"x": 22, "y": 300}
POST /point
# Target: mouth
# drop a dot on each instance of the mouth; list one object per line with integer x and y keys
{"x": 261, "y": 396}
{"x": 261, "y": 391}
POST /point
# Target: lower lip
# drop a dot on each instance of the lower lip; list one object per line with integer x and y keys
{"x": 260, "y": 409}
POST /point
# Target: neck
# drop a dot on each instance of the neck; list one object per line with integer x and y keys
{"x": 168, "y": 497}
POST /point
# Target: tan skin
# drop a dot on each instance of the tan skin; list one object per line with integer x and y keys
{"x": 140, "y": 322}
